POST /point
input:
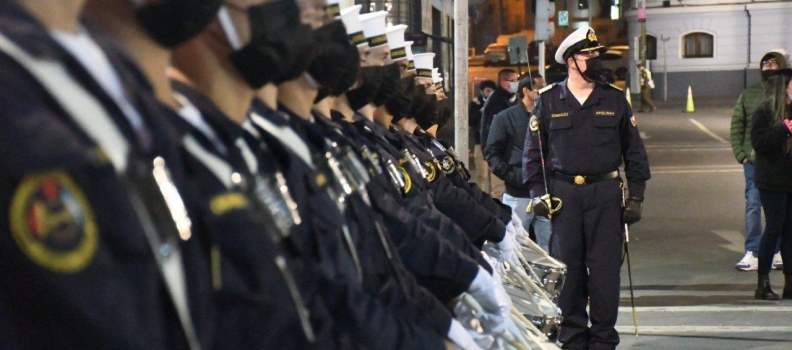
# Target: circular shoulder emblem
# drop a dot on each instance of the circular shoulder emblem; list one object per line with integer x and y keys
{"x": 448, "y": 165}
{"x": 430, "y": 171}
{"x": 407, "y": 180}
{"x": 533, "y": 124}
{"x": 53, "y": 223}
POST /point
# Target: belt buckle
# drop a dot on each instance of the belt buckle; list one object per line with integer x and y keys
{"x": 580, "y": 180}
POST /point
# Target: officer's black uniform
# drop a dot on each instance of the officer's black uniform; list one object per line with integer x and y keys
{"x": 589, "y": 140}
{"x": 255, "y": 281}
{"x": 479, "y": 223}
{"x": 416, "y": 193}
{"x": 455, "y": 171}
{"x": 79, "y": 272}
{"x": 358, "y": 313}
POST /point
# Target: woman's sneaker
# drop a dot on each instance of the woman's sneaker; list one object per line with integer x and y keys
{"x": 778, "y": 263}
{"x": 748, "y": 263}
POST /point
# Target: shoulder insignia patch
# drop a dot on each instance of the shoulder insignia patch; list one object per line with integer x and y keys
{"x": 430, "y": 171}
{"x": 615, "y": 87}
{"x": 546, "y": 88}
{"x": 633, "y": 122}
{"x": 226, "y": 202}
{"x": 533, "y": 125}
{"x": 407, "y": 180}
{"x": 53, "y": 223}
{"x": 448, "y": 165}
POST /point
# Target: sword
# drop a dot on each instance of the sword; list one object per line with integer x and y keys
{"x": 629, "y": 267}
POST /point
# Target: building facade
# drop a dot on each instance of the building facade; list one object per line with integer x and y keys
{"x": 713, "y": 46}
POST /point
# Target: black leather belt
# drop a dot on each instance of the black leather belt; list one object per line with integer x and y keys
{"x": 585, "y": 179}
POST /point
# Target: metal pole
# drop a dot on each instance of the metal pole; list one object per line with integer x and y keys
{"x": 643, "y": 35}
{"x": 461, "y": 133}
{"x": 541, "y": 58}
{"x": 665, "y": 66}
{"x": 589, "y": 14}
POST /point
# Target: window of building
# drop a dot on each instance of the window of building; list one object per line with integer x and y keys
{"x": 697, "y": 45}
{"x": 651, "y": 47}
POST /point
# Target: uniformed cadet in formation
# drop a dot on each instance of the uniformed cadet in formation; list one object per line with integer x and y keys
{"x": 585, "y": 130}
{"x": 207, "y": 174}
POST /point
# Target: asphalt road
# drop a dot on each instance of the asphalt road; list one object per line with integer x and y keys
{"x": 687, "y": 293}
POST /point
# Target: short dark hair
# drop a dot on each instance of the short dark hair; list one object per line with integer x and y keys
{"x": 487, "y": 84}
{"x": 504, "y": 72}
{"x": 526, "y": 81}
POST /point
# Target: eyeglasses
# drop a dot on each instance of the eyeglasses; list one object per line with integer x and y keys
{"x": 771, "y": 62}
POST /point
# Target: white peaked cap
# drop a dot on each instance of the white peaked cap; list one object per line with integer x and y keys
{"x": 410, "y": 57}
{"x": 374, "y": 28}
{"x": 351, "y": 18}
{"x": 396, "y": 41}
{"x": 581, "y": 40}
{"x": 423, "y": 64}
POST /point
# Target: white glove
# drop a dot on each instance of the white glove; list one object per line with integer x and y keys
{"x": 518, "y": 227}
{"x": 516, "y": 219}
{"x": 505, "y": 249}
{"x": 461, "y": 338}
{"x": 492, "y": 298}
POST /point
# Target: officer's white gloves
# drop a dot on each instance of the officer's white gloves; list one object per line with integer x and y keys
{"x": 522, "y": 234}
{"x": 463, "y": 338}
{"x": 493, "y": 299}
{"x": 505, "y": 250}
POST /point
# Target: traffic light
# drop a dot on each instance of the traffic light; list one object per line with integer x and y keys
{"x": 544, "y": 26}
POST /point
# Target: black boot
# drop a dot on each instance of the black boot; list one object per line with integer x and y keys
{"x": 763, "y": 289}
{"x": 787, "y": 287}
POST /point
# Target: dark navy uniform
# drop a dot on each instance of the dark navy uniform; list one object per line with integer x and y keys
{"x": 584, "y": 146}
{"x": 479, "y": 223}
{"x": 416, "y": 195}
{"x": 455, "y": 171}
{"x": 358, "y": 312}
{"x": 255, "y": 282}
{"x": 78, "y": 268}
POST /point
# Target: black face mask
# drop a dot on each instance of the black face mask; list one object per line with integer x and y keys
{"x": 428, "y": 116}
{"x": 419, "y": 100}
{"x": 399, "y": 105}
{"x": 389, "y": 86}
{"x": 172, "y": 22}
{"x": 280, "y": 47}
{"x": 337, "y": 63}
{"x": 363, "y": 95}
{"x": 593, "y": 69}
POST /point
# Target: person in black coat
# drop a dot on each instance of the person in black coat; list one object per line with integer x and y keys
{"x": 501, "y": 98}
{"x": 770, "y": 138}
{"x": 504, "y": 150}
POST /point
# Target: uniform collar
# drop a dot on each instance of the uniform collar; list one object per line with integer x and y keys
{"x": 596, "y": 94}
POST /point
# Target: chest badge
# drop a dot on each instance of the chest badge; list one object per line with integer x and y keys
{"x": 534, "y": 124}
{"x": 52, "y": 222}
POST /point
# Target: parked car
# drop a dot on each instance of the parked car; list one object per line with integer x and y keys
{"x": 496, "y": 54}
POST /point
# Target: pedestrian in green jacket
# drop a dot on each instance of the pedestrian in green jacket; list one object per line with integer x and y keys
{"x": 748, "y": 102}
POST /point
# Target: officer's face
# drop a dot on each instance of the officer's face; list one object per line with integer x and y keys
{"x": 379, "y": 55}
{"x": 402, "y": 67}
{"x": 581, "y": 58}
{"x": 237, "y": 10}
{"x": 364, "y": 52}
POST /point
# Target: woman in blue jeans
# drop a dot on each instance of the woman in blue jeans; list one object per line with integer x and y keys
{"x": 771, "y": 138}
